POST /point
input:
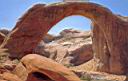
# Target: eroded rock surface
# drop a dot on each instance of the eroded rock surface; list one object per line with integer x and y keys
{"x": 71, "y": 47}
{"x": 39, "y": 65}
{"x": 7, "y": 76}
{"x": 39, "y": 19}
{"x": 34, "y": 67}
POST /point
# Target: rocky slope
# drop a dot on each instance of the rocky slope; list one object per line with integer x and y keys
{"x": 71, "y": 47}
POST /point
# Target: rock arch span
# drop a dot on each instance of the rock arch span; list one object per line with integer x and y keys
{"x": 46, "y": 69}
{"x": 111, "y": 39}
{"x": 67, "y": 23}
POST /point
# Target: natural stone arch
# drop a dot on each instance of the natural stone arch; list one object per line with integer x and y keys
{"x": 67, "y": 23}
{"x": 34, "y": 67}
{"x": 46, "y": 69}
{"x": 40, "y": 18}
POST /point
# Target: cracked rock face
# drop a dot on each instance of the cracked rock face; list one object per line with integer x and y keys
{"x": 110, "y": 33}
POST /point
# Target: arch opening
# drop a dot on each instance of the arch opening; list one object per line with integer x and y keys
{"x": 77, "y": 22}
{"x": 70, "y": 29}
{"x": 37, "y": 76}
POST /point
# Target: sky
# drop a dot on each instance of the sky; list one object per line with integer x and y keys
{"x": 12, "y": 10}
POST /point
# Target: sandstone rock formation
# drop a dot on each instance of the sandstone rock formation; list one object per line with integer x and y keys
{"x": 71, "y": 47}
{"x": 34, "y": 67}
{"x": 82, "y": 55}
{"x": 39, "y": 19}
{"x": 43, "y": 23}
{"x": 7, "y": 76}
{"x": 100, "y": 49}
{"x": 39, "y": 67}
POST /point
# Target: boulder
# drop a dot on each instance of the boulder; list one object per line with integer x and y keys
{"x": 10, "y": 77}
{"x": 21, "y": 71}
{"x": 39, "y": 68}
{"x": 48, "y": 38}
{"x": 82, "y": 55}
{"x": 40, "y": 49}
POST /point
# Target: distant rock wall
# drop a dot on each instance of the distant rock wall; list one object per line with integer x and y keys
{"x": 74, "y": 47}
